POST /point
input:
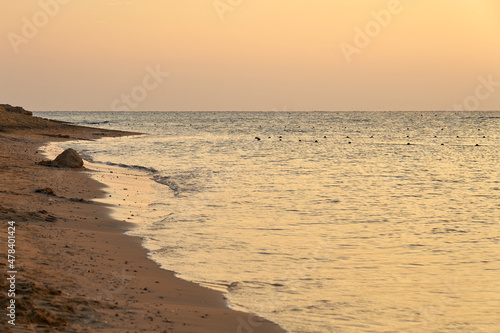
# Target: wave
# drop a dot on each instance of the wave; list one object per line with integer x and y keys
{"x": 157, "y": 177}
{"x": 135, "y": 167}
{"x": 167, "y": 180}
{"x": 95, "y": 122}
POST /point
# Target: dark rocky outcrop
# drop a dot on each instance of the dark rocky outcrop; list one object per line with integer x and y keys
{"x": 16, "y": 109}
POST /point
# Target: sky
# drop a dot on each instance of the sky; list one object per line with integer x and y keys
{"x": 245, "y": 55}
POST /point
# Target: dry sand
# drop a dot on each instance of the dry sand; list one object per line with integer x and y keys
{"x": 77, "y": 271}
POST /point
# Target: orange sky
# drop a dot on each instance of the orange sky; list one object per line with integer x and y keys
{"x": 251, "y": 55}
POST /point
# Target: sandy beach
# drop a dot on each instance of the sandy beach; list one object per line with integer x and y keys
{"x": 77, "y": 270}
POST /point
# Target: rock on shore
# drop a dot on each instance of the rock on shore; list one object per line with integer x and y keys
{"x": 67, "y": 159}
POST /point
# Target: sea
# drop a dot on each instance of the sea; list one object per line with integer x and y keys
{"x": 322, "y": 221}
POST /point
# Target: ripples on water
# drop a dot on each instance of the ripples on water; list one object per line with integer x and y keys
{"x": 357, "y": 232}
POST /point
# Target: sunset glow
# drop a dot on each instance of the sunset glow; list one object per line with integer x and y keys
{"x": 250, "y": 55}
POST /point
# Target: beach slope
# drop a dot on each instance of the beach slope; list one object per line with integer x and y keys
{"x": 77, "y": 271}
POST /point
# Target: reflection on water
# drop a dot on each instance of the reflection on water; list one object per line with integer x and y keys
{"x": 332, "y": 222}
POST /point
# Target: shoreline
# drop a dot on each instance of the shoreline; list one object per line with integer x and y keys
{"x": 78, "y": 270}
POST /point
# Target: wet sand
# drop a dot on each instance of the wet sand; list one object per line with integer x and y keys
{"x": 77, "y": 271}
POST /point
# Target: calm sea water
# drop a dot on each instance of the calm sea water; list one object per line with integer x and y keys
{"x": 331, "y": 222}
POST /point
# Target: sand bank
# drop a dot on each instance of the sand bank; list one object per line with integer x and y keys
{"x": 77, "y": 271}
